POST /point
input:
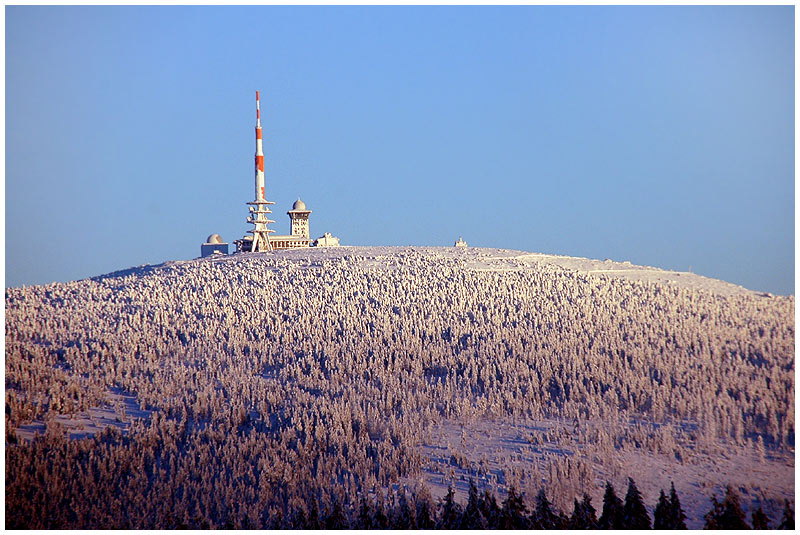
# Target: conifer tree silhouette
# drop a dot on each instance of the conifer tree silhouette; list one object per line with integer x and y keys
{"x": 662, "y": 514}
{"x": 543, "y": 516}
{"x": 336, "y": 519}
{"x": 450, "y": 511}
{"x": 612, "y": 516}
{"x": 425, "y": 518}
{"x": 677, "y": 518}
{"x": 635, "y": 513}
{"x": 759, "y": 519}
{"x": 490, "y": 510}
{"x": 472, "y": 518}
{"x": 513, "y": 516}
{"x": 787, "y": 522}
{"x": 583, "y": 515}
{"x": 364, "y": 514}
{"x": 589, "y": 512}
{"x": 726, "y": 515}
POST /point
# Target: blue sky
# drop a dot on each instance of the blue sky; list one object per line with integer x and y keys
{"x": 659, "y": 135}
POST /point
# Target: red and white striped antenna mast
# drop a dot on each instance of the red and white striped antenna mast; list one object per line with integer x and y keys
{"x": 259, "y": 208}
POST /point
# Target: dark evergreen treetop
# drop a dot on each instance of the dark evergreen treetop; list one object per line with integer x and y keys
{"x": 490, "y": 510}
{"x": 472, "y": 518}
{"x": 713, "y": 515}
{"x": 544, "y": 516}
{"x": 668, "y": 513}
{"x": 424, "y": 515}
{"x": 404, "y": 518}
{"x": 787, "y": 522}
{"x": 589, "y": 511}
{"x": 583, "y": 515}
{"x": 336, "y": 519}
{"x": 299, "y": 521}
{"x": 677, "y": 516}
{"x": 313, "y": 517}
{"x": 576, "y": 520}
{"x": 726, "y": 515}
{"x": 450, "y": 511}
{"x": 381, "y": 521}
{"x": 364, "y": 514}
{"x": 513, "y": 514}
{"x": 759, "y": 519}
{"x": 662, "y": 513}
{"x": 733, "y": 516}
{"x": 612, "y": 517}
{"x": 634, "y": 512}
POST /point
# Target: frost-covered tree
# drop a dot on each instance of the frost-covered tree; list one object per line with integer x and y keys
{"x": 272, "y": 379}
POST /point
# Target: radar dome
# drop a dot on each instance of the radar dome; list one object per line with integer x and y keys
{"x": 214, "y": 238}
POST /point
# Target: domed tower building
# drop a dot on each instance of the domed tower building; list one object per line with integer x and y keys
{"x": 299, "y": 218}
{"x": 300, "y": 235}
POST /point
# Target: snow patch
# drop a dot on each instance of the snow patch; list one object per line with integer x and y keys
{"x": 119, "y": 411}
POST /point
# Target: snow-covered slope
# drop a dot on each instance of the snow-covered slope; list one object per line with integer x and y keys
{"x": 374, "y": 366}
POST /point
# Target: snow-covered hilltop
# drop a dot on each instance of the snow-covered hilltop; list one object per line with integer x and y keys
{"x": 278, "y": 374}
{"x": 490, "y": 260}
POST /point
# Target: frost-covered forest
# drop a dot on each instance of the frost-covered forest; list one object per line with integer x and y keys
{"x": 281, "y": 380}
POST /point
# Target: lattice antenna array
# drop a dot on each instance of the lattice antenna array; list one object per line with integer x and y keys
{"x": 259, "y": 208}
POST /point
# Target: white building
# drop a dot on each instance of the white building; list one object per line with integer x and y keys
{"x": 326, "y": 240}
{"x": 300, "y": 233}
{"x": 299, "y": 229}
{"x": 213, "y": 244}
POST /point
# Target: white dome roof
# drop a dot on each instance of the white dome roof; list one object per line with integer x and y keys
{"x": 214, "y": 238}
{"x": 299, "y": 205}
